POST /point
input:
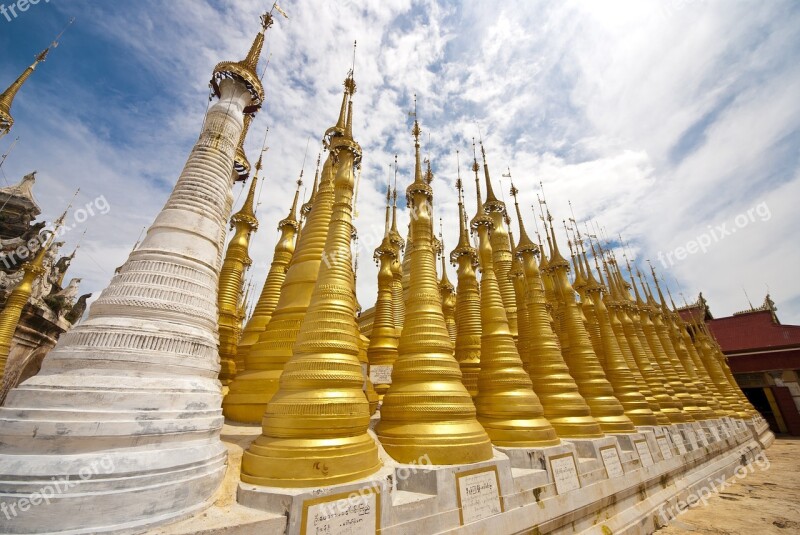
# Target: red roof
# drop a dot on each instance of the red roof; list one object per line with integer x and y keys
{"x": 752, "y": 331}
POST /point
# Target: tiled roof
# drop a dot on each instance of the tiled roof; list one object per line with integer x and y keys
{"x": 753, "y": 330}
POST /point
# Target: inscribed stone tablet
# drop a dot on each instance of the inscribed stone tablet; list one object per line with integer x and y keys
{"x": 342, "y": 514}
{"x": 565, "y": 473}
{"x": 381, "y": 374}
{"x": 663, "y": 445}
{"x": 715, "y": 433}
{"x": 478, "y": 494}
{"x": 611, "y": 461}
{"x": 644, "y": 453}
{"x": 678, "y": 440}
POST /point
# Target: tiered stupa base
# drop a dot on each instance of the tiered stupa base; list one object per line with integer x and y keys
{"x": 629, "y": 483}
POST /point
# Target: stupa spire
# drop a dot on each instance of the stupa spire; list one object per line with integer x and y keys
{"x": 468, "y": 306}
{"x": 564, "y": 406}
{"x": 382, "y": 351}
{"x": 579, "y": 354}
{"x": 246, "y": 70}
{"x": 7, "y": 96}
{"x": 306, "y": 208}
{"x": 507, "y": 406}
{"x": 398, "y": 302}
{"x": 231, "y": 277}
{"x": 264, "y": 363}
{"x": 427, "y": 410}
{"x": 501, "y": 247}
{"x": 270, "y": 292}
{"x": 319, "y": 410}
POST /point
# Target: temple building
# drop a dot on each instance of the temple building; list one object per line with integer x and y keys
{"x": 542, "y": 393}
{"x": 764, "y": 356}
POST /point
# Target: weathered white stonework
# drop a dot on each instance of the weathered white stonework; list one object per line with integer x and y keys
{"x": 127, "y": 406}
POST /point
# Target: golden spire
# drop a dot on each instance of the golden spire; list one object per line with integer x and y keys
{"x": 616, "y": 366}
{"x": 501, "y": 247}
{"x": 468, "y": 303}
{"x": 660, "y": 318}
{"x": 707, "y": 403}
{"x": 382, "y": 351}
{"x": 427, "y": 410}
{"x": 507, "y": 406}
{"x": 398, "y": 301}
{"x": 670, "y": 405}
{"x": 241, "y": 165}
{"x": 564, "y": 407}
{"x": 231, "y": 277}
{"x": 648, "y": 318}
{"x": 264, "y": 363}
{"x": 306, "y": 208}
{"x": 7, "y": 96}
{"x": 448, "y": 292}
{"x": 270, "y": 293}
{"x": 315, "y": 428}
{"x": 245, "y": 70}
{"x": 579, "y": 354}
{"x": 12, "y": 309}
{"x": 624, "y": 331}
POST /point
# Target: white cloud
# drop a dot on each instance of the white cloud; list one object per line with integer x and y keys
{"x": 657, "y": 119}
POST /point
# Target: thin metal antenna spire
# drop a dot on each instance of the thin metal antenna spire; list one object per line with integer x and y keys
{"x": 3, "y": 158}
{"x": 353, "y": 66}
{"x": 748, "y": 298}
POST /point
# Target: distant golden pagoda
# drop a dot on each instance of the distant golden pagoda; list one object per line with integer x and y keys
{"x": 579, "y": 354}
{"x": 564, "y": 406}
{"x": 270, "y": 293}
{"x": 264, "y": 363}
{"x": 7, "y": 96}
{"x": 507, "y": 407}
{"x": 468, "y": 302}
{"x": 448, "y": 294}
{"x": 501, "y": 248}
{"x": 231, "y": 279}
{"x": 382, "y": 350}
{"x": 427, "y": 411}
{"x": 314, "y": 430}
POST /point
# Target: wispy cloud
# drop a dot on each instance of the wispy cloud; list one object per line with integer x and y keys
{"x": 655, "y": 118}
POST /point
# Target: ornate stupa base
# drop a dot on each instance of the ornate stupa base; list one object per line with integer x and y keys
{"x": 249, "y": 393}
{"x": 444, "y": 443}
{"x": 306, "y": 463}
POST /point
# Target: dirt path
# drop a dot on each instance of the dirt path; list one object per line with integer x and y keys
{"x": 766, "y": 501}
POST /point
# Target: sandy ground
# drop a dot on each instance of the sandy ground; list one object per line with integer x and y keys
{"x": 765, "y": 501}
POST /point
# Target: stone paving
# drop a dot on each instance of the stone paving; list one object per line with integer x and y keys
{"x": 765, "y": 501}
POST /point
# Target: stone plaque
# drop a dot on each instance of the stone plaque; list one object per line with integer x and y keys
{"x": 478, "y": 494}
{"x": 663, "y": 446}
{"x": 644, "y": 453}
{"x": 702, "y": 439}
{"x": 381, "y": 374}
{"x": 565, "y": 473}
{"x": 692, "y": 438}
{"x": 349, "y": 513}
{"x": 714, "y": 432}
{"x": 678, "y": 440}
{"x": 611, "y": 461}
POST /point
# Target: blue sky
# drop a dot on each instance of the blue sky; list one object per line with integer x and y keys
{"x": 662, "y": 121}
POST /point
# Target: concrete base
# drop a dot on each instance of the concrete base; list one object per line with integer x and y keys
{"x": 421, "y": 499}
